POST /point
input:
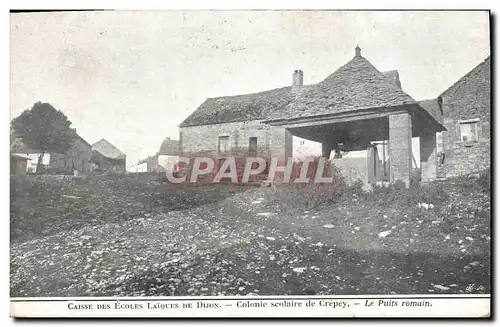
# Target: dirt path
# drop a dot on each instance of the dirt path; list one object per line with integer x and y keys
{"x": 243, "y": 245}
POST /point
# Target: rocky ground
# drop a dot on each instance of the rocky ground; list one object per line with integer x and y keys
{"x": 129, "y": 236}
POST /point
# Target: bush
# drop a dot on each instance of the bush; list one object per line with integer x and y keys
{"x": 484, "y": 180}
{"x": 473, "y": 183}
{"x": 291, "y": 197}
{"x": 356, "y": 189}
{"x": 397, "y": 193}
{"x": 57, "y": 171}
{"x": 296, "y": 197}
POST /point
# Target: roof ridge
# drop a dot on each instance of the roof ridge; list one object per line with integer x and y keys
{"x": 247, "y": 94}
{"x": 356, "y": 84}
{"x": 383, "y": 78}
{"x": 366, "y": 61}
{"x": 338, "y": 70}
{"x": 102, "y": 139}
{"x": 108, "y": 144}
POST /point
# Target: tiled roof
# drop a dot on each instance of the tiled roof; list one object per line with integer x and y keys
{"x": 356, "y": 85}
{"x": 392, "y": 77}
{"x": 239, "y": 107}
{"x": 432, "y": 107}
{"x": 108, "y": 150}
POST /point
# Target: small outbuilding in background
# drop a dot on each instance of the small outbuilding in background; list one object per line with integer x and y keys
{"x": 18, "y": 163}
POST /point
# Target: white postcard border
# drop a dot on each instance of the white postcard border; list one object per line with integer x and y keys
{"x": 442, "y": 305}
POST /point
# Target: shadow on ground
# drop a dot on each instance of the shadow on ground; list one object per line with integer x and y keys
{"x": 288, "y": 269}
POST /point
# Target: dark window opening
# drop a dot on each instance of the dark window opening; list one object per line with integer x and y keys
{"x": 252, "y": 144}
{"x": 442, "y": 157}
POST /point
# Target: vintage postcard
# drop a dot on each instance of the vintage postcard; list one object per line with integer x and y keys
{"x": 260, "y": 163}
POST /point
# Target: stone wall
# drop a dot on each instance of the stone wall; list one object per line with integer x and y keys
{"x": 76, "y": 158}
{"x": 400, "y": 152}
{"x": 204, "y": 140}
{"x": 468, "y": 99}
{"x": 352, "y": 169}
{"x": 196, "y": 141}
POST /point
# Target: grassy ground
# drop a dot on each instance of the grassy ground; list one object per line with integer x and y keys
{"x": 111, "y": 237}
{"x": 43, "y": 205}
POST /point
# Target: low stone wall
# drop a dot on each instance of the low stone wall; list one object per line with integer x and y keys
{"x": 353, "y": 169}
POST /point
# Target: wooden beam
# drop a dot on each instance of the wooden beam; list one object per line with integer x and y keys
{"x": 339, "y": 117}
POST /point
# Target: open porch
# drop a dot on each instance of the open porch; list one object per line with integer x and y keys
{"x": 385, "y": 133}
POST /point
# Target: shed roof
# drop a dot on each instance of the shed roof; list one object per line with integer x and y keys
{"x": 356, "y": 85}
{"x": 19, "y": 157}
{"x": 108, "y": 150}
{"x": 433, "y": 108}
{"x": 148, "y": 159}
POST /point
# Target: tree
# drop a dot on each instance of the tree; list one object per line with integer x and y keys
{"x": 44, "y": 128}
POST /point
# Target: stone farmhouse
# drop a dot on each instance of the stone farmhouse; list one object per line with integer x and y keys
{"x": 357, "y": 107}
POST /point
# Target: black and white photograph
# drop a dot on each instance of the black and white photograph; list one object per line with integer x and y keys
{"x": 250, "y": 163}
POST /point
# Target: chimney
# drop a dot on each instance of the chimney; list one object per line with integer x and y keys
{"x": 298, "y": 79}
{"x": 358, "y": 52}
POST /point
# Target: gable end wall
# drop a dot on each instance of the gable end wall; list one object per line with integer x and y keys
{"x": 470, "y": 99}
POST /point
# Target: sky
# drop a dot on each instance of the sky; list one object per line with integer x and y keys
{"x": 132, "y": 77}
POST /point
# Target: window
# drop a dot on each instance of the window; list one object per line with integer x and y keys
{"x": 469, "y": 131}
{"x": 252, "y": 144}
{"x": 223, "y": 144}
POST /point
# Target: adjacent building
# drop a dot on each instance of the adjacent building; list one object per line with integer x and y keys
{"x": 19, "y": 148}
{"x": 465, "y": 110}
{"x": 75, "y": 161}
{"x": 107, "y": 158}
{"x": 165, "y": 159}
{"x": 18, "y": 164}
